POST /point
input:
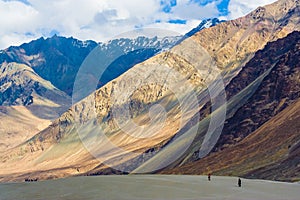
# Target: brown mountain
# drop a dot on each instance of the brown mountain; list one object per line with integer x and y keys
{"x": 242, "y": 87}
{"x": 261, "y": 139}
{"x": 271, "y": 152}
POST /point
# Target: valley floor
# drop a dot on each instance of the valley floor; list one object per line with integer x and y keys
{"x": 150, "y": 187}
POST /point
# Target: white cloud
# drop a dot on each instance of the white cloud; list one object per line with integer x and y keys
{"x": 239, "y": 8}
{"x": 102, "y": 19}
{"x": 174, "y": 29}
{"x": 17, "y": 20}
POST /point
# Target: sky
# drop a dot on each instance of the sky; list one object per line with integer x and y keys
{"x": 100, "y": 20}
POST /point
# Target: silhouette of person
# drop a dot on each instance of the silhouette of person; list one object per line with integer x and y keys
{"x": 209, "y": 175}
{"x": 239, "y": 182}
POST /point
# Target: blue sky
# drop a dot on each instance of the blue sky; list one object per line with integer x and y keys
{"x": 221, "y": 7}
{"x": 100, "y": 20}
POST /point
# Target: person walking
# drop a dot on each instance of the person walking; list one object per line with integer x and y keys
{"x": 209, "y": 175}
{"x": 239, "y": 182}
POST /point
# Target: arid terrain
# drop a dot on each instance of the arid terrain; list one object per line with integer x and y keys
{"x": 160, "y": 114}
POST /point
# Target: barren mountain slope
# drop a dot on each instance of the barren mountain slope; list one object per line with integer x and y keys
{"x": 271, "y": 152}
{"x": 256, "y": 141}
{"x": 35, "y": 103}
{"x": 17, "y": 125}
{"x": 234, "y": 43}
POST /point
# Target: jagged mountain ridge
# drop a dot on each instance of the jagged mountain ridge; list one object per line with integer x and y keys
{"x": 207, "y": 23}
{"x": 54, "y": 59}
{"x": 58, "y": 59}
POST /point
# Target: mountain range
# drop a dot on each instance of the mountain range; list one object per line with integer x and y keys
{"x": 37, "y": 78}
{"x": 153, "y": 110}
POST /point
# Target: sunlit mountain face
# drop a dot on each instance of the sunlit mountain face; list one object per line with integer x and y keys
{"x": 37, "y": 77}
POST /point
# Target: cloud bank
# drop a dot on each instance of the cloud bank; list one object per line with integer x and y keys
{"x": 100, "y": 20}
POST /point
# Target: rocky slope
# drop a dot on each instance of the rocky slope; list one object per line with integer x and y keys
{"x": 234, "y": 43}
{"x": 260, "y": 140}
{"x": 164, "y": 79}
{"x": 279, "y": 90}
{"x": 271, "y": 152}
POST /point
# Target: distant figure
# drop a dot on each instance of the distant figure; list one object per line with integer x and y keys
{"x": 31, "y": 179}
{"x": 209, "y": 176}
{"x": 240, "y": 182}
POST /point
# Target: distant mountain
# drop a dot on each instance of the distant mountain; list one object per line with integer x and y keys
{"x": 20, "y": 85}
{"x": 55, "y": 59}
{"x": 58, "y": 59}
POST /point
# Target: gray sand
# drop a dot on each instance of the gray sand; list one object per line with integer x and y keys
{"x": 150, "y": 187}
